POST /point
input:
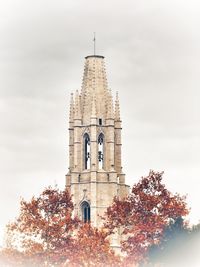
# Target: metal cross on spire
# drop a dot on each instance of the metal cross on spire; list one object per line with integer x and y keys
{"x": 94, "y": 40}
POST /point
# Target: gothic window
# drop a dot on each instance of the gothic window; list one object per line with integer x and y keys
{"x": 85, "y": 207}
{"x": 101, "y": 150}
{"x": 86, "y": 151}
{"x": 100, "y": 121}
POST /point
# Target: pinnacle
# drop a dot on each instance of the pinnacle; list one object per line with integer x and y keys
{"x": 117, "y": 108}
{"x": 110, "y": 113}
{"x": 77, "y": 106}
{"x": 71, "y": 111}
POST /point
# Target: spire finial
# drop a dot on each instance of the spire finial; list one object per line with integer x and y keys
{"x": 94, "y": 40}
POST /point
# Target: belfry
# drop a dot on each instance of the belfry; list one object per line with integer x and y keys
{"x": 95, "y": 167}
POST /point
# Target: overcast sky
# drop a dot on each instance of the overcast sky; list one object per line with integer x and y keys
{"x": 152, "y": 55}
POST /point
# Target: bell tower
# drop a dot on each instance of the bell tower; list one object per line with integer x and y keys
{"x": 95, "y": 168}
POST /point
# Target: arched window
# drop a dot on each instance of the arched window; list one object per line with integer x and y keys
{"x": 86, "y": 140}
{"x": 101, "y": 150}
{"x": 85, "y": 208}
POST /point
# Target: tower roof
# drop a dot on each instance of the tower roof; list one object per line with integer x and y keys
{"x": 94, "y": 84}
{"x": 94, "y": 56}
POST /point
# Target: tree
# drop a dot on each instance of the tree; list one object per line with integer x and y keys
{"x": 46, "y": 234}
{"x": 43, "y": 229}
{"x": 174, "y": 235}
{"x": 179, "y": 246}
{"x": 143, "y": 215}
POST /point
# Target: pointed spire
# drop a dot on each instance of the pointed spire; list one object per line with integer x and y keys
{"x": 71, "y": 109}
{"x": 117, "y": 108}
{"x": 94, "y": 81}
{"x": 110, "y": 113}
{"x": 94, "y": 108}
{"x": 77, "y": 106}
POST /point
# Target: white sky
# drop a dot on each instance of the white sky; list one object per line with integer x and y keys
{"x": 152, "y": 56}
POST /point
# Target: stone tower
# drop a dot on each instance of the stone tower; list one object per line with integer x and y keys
{"x": 95, "y": 170}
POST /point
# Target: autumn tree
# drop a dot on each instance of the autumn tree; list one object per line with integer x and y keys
{"x": 143, "y": 215}
{"x": 46, "y": 234}
{"x": 43, "y": 229}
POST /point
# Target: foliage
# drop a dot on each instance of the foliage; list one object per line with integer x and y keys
{"x": 173, "y": 235}
{"x": 43, "y": 228}
{"x": 47, "y": 234}
{"x": 92, "y": 248}
{"x": 179, "y": 246}
{"x": 143, "y": 215}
